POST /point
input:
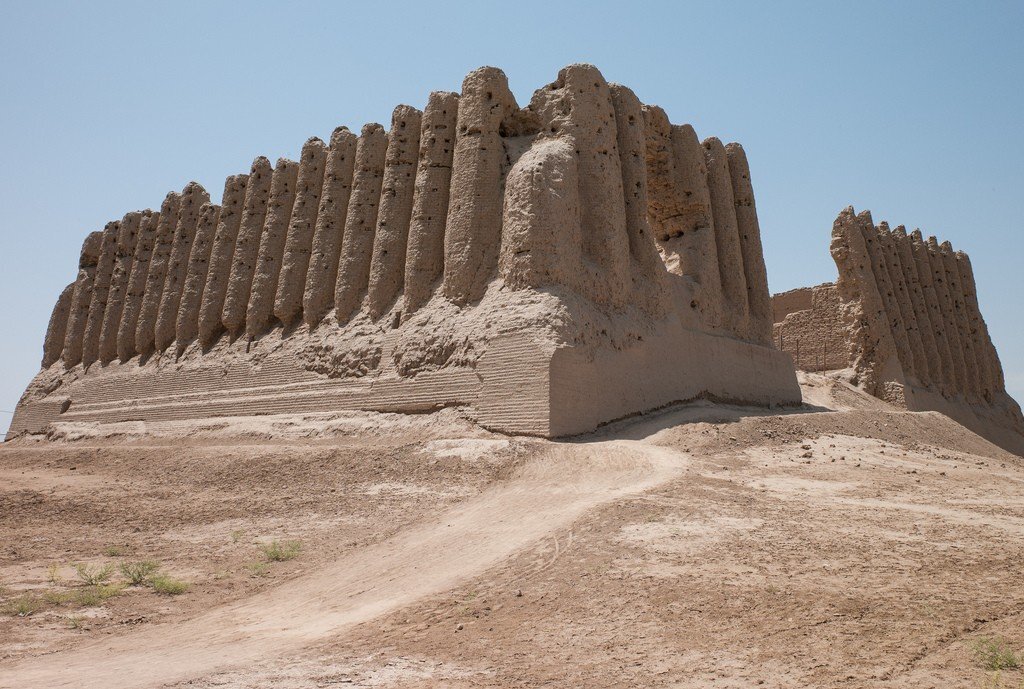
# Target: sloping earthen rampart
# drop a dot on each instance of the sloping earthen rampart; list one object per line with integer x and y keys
{"x": 547, "y": 268}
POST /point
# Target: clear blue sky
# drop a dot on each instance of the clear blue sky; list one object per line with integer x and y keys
{"x": 913, "y": 110}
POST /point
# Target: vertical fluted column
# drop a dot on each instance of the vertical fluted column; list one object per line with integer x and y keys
{"x": 424, "y": 258}
{"x": 989, "y": 368}
{"x": 665, "y": 208}
{"x": 247, "y": 246}
{"x": 759, "y": 299}
{"x": 947, "y": 384}
{"x": 692, "y": 180}
{"x": 322, "y": 274}
{"x": 124, "y": 258}
{"x": 727, "y": 238}
{"x": 646, "y": 271}
{"x": 932, "y": 370}
{"x": 145, "y": 331}
{"x": 291, "y": 283}
{"x": 218, "y": 268}
{"x": 958, "y": 310}
{"x": 357, "y": 244}
{"x": 949, "y": 324}
{"x": 56, "y": 330}
{"x": 894, "y": 317}
{"x": 82, "y": 299}
{"x": 387, "y": 264}
{"x": 222, "y": 252}
{"x": 579, "y": 105}
{"x": 899, "y": 282}
{"x": 542, "y": 237}
{"x": 100, "y": 292}
{"x": 187, "y": 325}
{"x": 473, "y": 229}
{"x": 136, "y": 290}
{"x": 192, "y": 200}
{"x": 667, "y": 213}
{"x": 260, "y": 310}
{"x": 873, "y": 351}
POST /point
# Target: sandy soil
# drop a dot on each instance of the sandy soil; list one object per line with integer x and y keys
{"x": 843, "y": 544}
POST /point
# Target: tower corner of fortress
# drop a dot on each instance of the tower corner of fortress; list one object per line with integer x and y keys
{"x": 544, "y": 268}
{"x": 903, "y": 322}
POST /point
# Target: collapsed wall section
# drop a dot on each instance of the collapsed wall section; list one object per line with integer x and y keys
{"x": 581, "y": 253}
{"x": 809, "y": 327}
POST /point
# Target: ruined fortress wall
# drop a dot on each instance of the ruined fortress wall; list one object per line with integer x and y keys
{"x": 810, "y": 329}
{"x": 905, "y": 311}
{"x": 581, "y": 250}
{"x": 785, "y": 303}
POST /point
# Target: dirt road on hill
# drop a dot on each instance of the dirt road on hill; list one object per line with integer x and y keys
{"x": 545, "y": 496}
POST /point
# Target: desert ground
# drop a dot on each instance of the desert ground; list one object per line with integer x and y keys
{"x": 839, "y": 544}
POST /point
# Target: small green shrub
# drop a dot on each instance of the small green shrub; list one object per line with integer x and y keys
{"x": 996, "y": 654}
{"x": 277, "y": 551}
{"x": 258, "y": 569}
{"x": 138, "y": 573}
{"x": 91, "y": 596}
{"x": 168, "y": 586}
{"x": 94, "y": 575}
{"x": 59, "y": 597}
{"x": 53, "y": 574}
{"x": 236, "y": 535}
{"x": 23, "y": 606}
{"x": 75, "y": 621}
{"x": 115, "y": 550}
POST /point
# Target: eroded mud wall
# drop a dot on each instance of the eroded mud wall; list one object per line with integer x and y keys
{"x": 911, "y": 327}
{"x": 585, "y": 216}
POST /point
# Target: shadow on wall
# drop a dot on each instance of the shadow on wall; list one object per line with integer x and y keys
{"x": 643, "y": 426}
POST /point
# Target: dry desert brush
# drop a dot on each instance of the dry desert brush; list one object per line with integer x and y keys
{"x": 277, "y": 551}
{"x": 140, "y": 572}
{"x": 996, "y": 654}
{"x": 94, "y": 575}
{"x": 167, "y": 585}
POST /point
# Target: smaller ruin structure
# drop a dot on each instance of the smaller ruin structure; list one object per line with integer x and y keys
{"x": 903, "y": 319}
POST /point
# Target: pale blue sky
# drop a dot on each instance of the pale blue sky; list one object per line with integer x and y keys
{"x": 913, "y": 110}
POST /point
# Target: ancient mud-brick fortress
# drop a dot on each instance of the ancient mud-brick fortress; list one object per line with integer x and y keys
{"x": 545, "y": 268}
{"x": 903, "y": 317}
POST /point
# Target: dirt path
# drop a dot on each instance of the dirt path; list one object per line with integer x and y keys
{"x": 545, "y": 496}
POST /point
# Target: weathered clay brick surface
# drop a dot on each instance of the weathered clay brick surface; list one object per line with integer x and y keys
{"x": 904, "y": 319}
{"x": 545, "y": 268}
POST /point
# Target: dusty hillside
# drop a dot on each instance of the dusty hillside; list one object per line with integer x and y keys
{"x": 840, "y": 544}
